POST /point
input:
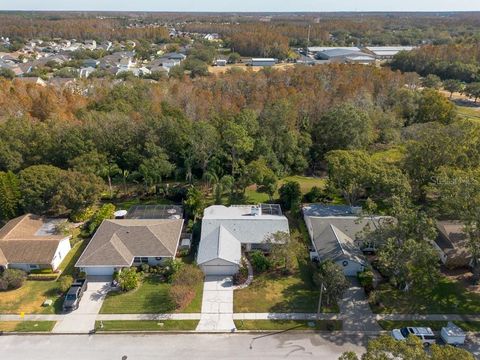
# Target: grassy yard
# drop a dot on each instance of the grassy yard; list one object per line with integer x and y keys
{"x": 146, "y": 325}
{"x": 151, "y": 297}
{"x": 447, "y": 297}
{"x": 324, "y": 325}
{"x": 306, "y": 183}
{"x": 68, "y": 264}
{"x": 26, "y": 326}
{"x": 272, "y": 292}
{"x": 393, "y": 324}
{"x": 469, "y": 113}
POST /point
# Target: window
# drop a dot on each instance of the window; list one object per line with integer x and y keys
{"x": 144, "y": 260}
{"x": 136, "y": 260}
{"x": 140, "y": 260}
{"x": 33, "y": 266}
{"x": 158, "y": 258}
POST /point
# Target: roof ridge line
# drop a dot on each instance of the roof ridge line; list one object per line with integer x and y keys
{"x": 23, "y": 217}
{"x": 333, "y": 227}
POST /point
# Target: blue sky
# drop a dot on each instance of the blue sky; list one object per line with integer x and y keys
{"x": 243, "y": 5}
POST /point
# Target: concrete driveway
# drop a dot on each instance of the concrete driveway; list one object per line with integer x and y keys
{"x": 217, "y": 304}
{"x": 82, "y": 320}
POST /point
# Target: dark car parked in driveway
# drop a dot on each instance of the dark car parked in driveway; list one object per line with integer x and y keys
{"x": 74, "y": 295}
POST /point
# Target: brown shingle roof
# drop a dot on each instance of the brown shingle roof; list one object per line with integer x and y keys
{"x": 117, "y": 242}
{"x": 21, "y": 241}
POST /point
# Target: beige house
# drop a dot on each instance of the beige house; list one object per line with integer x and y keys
{"x": 452, "y": 244}
{"x": 123, "y": 243}
{"x": 31, "y": 242}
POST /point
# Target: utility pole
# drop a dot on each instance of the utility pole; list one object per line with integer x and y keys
{"x": 308, "y": 39}
{"x": 319, "y": 309}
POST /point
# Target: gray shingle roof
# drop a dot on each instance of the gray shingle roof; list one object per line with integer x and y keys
{"x": 117, "y": 242}
{"x": 219, "y": 244}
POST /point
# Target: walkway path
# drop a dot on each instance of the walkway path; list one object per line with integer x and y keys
{"x": 249, "y": 277}
{"x": 355, "y": 311}
{"x": 83, "y": 319}
{"x": 217, "y": 305}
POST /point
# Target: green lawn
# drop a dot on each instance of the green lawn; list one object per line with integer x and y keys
{"x": 146, "y": 325}
{"x": 393, "y": 324}
{"x": 30, "y": 297}
{"x": 447, "y": 297}
{"x": 324, "y": 325}
{"x": 26, "y": 326}
{"x": 68, "y": 264}
{"x": 394, "y": 155}
{"x": 151, "y": 297}
{"x": 469, "y": 113}
{"x": 272, "y": 292}
{"x": 306, "y": 183}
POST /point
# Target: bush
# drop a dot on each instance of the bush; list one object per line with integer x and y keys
{"x": 65, "y": 282}
{"x": 315, "y": 195}
{"x": 43, "y": 277}
{"x": 290, "y": 195}
{"x": 259, "y": 261}
{"x": 188, "y": 275}
{"x": 145, "y": 268}
{"x": 105, "y": 212}
{"x": 3, "y": 284}
{"x": 181, "y": 295}
{"x": 170, "y": 268}
{"x": 366, "y": 280}
{"x": 128, "y": 279}
{"x": 13, "y": 279}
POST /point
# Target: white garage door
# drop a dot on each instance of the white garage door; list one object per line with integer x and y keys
{"x": 219, "y": 269}
{"x": 99, "y": 271}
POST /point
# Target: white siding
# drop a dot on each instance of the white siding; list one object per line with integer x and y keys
{"x": 350, "y": 267}
{"x": 98, "y": 270}
{"x": 219, "y": 267}
{"x": 62, "y": 250}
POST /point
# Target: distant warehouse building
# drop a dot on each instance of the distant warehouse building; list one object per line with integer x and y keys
{"x": 345, "y": 56}
{"x": 263, "y": 61}
{"x": 386, "y": 52}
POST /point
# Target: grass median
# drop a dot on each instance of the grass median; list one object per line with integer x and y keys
{"x": 146, "y": 325}
{"x": 323, "y": 325}
{"x": 26, "y": 326}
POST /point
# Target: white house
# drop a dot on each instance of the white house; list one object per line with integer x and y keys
{"x": 31, "y": 242}
{"x": 226, "y": 230}
{"x": 335, "y": 234}
{"x": 263, "y": 61}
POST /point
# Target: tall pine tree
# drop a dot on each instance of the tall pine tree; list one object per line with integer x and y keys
{"x": 9, "y": 195}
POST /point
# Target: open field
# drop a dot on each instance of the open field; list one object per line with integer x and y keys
{"x": 151, "y": 297}
{"x": 469, "y": 113}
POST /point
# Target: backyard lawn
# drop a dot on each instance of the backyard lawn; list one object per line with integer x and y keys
{"x": 324, "y": 325}
{"x": 273, "y": 292}
{"x": 306, "y": 183}
{"x": 447, "y": 297}
{"x": 26, "y": 326}
{"x": 146, "y": 325}
{"x": 151, "y": 297}
{"x": 469, "y": 113}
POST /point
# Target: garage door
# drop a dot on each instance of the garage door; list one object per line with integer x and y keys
{"x": 219, "y": 269}
{"x": 99, "y": 271}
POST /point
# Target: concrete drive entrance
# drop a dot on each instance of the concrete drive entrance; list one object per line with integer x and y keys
{"x": 82, "y": 320}
{"x": 217, "y": 304}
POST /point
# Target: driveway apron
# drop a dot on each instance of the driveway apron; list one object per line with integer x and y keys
{"x": 217, "y": 305}
{"x": 83, "y": 319}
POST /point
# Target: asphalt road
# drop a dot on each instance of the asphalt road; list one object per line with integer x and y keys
{"x": 184, "y": 346}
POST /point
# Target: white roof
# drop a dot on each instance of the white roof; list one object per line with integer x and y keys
{"x": 388, "y": 50}
{"x": 224, "y": 229}
{"x": 264, "y": 59}
{"x": 324, "y": 48}
{"x": 453, "y": 330}
{"x": 219, "y": 244}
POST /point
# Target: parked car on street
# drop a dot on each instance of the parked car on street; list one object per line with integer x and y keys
{"x": 425, "y": 334}
{"x": 74, "y": 295}
{"x": 453, "y": 335}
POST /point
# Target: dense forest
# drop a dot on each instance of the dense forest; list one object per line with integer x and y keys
{"x": 240, "y": 128}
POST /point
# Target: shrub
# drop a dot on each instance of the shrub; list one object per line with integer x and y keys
{"x": 181, "y": 295}
{"x": 128, "y": 279}
{"x": 65, "y": 282}
{"x": 314, "y": 195}
{"x": 366, "y": 280}
{"x": 290, "y": 195}
{"x": 188, "y": 275}
{"x": 170, "y": 268}
{"x": 259, "y": 261}
{"x": 145, "y": 268}
{"x": 105, "y": 212}
{"x": 14, "y": 278}
{"x": 3, "y": 284}
{"x": 43, "y": 277}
